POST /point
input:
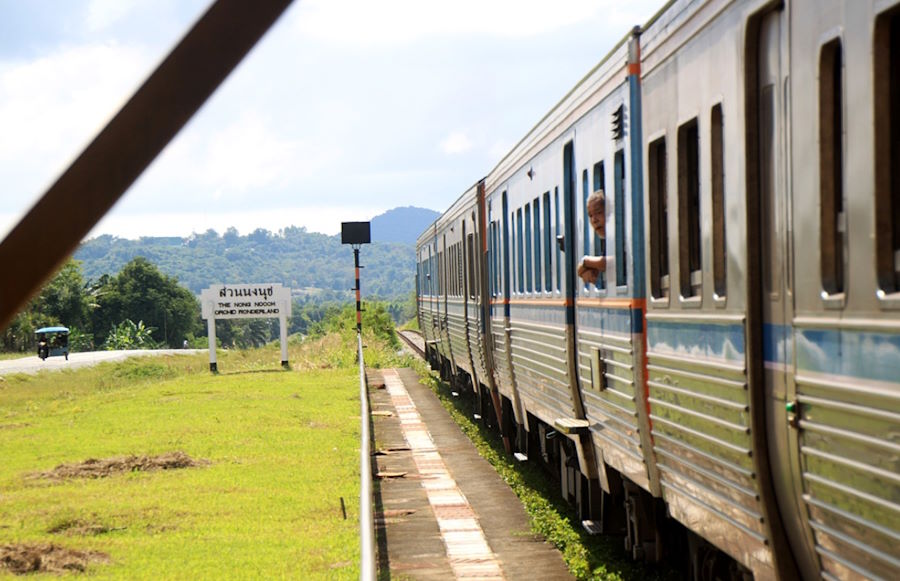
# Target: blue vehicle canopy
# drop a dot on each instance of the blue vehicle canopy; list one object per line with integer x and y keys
{"x": 52, "y": 330}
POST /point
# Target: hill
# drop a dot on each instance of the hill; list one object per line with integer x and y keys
{"x": 402, "y": 224}
{"x": 309, "y": 263}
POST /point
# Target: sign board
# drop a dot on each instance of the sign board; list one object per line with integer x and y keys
{"x": 355, "y": 233}
{"x": 245, "y": 301}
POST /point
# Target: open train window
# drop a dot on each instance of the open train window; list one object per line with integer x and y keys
{"x": 599, "y": 244}
{"x": 717, "y": 142}
{"x": 548, "y": 244}
{"x": 585, "y": 192}
{"x": 619, "y": 185}
{"x": 831, "y": 168}
{"x": 689, "y": 267}
{"x": 659, "y": 220}
{"x": 537, "y": 244}
{"x": 887, "y": 151}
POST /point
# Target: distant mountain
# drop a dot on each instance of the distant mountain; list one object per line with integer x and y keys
{"x": 311, "y": 264}
{"x": 402, "y": 224}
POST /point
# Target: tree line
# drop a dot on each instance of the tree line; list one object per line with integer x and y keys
{"x": 292, "y": 256}
{"x": 140, "y": 307}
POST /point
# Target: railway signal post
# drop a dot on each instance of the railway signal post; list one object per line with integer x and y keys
{"x": 356, "y": 234}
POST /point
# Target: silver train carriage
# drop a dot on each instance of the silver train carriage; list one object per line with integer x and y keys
{"x": 737, "y": 368}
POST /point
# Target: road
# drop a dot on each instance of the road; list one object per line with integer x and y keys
{"x": 33, "y": 364}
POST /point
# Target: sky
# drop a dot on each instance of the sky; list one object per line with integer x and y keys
{"x": 345, "y": 109}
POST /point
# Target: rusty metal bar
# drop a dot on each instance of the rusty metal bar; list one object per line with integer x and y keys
{"x": 85, "y": 192}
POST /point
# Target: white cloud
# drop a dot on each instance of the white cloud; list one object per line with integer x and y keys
{"x": 403, "y": 21}
{"x": 101, "y": 14}
{"x": 324, "y": 219}
{"x": 47, "y": 103}
{"x": 456, "y": 142}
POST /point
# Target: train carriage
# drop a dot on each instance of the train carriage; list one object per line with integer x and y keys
{"x": 835, "y": 385}
{"x": 737, "y": 368}
{"x": 708, "y": 417}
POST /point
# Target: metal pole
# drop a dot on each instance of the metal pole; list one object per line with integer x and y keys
{"x": 366, "y": 510}
{"x": 358, "y": 302}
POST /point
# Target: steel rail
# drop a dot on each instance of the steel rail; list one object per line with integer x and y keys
{"x": 366, "y": 509}
{"x": 100, "y": 175}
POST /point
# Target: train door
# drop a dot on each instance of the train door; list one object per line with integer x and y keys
{"x": 771, "y": 287}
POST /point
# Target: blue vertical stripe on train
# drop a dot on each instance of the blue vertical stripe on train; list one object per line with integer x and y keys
{"x": 777, "y": 344}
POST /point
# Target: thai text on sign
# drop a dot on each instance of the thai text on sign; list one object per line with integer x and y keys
{"x": 245, "y": 301}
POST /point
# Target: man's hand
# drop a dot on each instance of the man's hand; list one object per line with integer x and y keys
{"x": 587, "y": 274}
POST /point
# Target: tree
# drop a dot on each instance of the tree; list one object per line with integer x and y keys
{"x": 62, "y": 301}
{"x": 141, "y": 292}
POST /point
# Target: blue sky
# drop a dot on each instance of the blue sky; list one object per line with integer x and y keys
{"x": 345, "y": 109}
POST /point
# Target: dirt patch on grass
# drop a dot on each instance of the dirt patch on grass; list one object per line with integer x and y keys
{"x": 24, "y": 559}
{"x": 77, "y": 527}
{"x": 93, "y": 468}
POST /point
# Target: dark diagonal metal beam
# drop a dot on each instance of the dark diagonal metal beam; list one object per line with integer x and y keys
{"x": 85, "y": 192}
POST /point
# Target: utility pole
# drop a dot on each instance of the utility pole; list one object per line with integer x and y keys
{"x": 356, "y": 234}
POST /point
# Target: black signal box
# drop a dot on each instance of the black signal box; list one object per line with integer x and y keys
{"x": 355, "y": 233}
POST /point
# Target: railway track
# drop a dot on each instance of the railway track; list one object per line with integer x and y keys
{"x": 414, "y": 340}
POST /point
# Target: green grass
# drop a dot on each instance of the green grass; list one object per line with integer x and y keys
{"x": 282, "y": 445}
{"x": 587, "y": 557}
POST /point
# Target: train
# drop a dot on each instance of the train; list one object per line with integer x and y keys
{"x": 729, "y": 388}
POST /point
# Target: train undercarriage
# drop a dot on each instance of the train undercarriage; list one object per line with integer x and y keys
{"x": 626, "y": 510}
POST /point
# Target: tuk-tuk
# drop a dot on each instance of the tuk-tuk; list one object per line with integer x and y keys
{"x": 53, "y": 341}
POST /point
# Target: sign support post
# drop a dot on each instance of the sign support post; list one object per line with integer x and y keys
{"x": 282, "y": 324}
{"x": 211, "y": 331}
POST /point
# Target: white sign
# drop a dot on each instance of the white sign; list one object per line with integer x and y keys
{"x": 245, "y": 301}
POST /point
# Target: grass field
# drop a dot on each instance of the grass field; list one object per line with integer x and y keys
{"x": 280, "y": 451}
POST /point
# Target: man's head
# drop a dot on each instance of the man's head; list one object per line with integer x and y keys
{"x": 596, "y": 211}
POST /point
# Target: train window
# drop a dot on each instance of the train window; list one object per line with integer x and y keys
{"x": 598, "y": 247}
{"x": 520, "y": 261}
{"x": 454, "y": 272}
{"x": 599, "y": 184}
{"x": 460, "y": 270}
{"x": 659, "y": 220}
{"x": 548, "y": 244}
{"x": 587, "y": 224}
{"x": 621, "y": 257}
{"x": 473, "y": 283}
{"x": 537, "y": 245}
{"x": 887, "y": 151}
{"x": 492, "y": 263}
{"x": 689, "y": 209}
{"x": 498, "y": 261}
{"x": 558, "y": 250}
{"x": 717, "y": 141}
{"x": 528, "y": 241}
{"x": 440, "y": 269}
{"x": 831, "y": 168}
